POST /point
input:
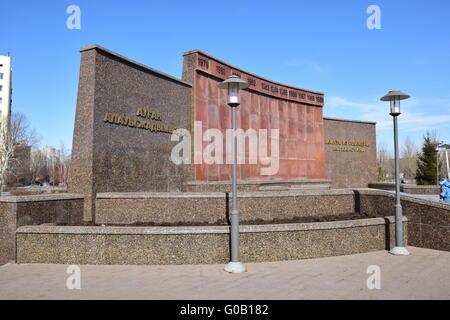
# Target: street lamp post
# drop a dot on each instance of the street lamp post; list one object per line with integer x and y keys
{"x": 446, "y": 159}
{"x": 446, "y": 162}
{"x": 394, "y": 97}
{"x": 441, "y": 147}
{"x": 437, "y": 164}
{"x": 438, "y": 149}
{"x": 233, "y": 84}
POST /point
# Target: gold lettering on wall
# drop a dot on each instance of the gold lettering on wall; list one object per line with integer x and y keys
{"x": 114, "y": 118}
{"x": 347, "y": 146}
{"x": 149, "y": 114}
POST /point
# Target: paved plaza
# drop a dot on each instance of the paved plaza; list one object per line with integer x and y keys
{"x": 423, "y": 275}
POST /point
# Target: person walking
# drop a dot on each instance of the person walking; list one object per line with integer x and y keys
{"x": 444, "y": 194}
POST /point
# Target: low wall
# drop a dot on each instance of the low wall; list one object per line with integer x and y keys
{"x": 407, "y": 188}
{"x": 428, "y": 221}
{"x": 17, "y": 211}
{"x": 182, "y": 207}
{"x": 201, "y": 245}
{"x": 21, "y": 220}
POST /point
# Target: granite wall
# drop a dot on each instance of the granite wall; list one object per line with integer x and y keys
{"x": 125, "y": 113}
{"x": 173, "y": 208}
{"x": 350, "y": 152}
{"x": 201, "y": 245}
{"x": 34, "y": 210}
{"x": 429, "y": 221}
{"x": 407, "y": 188}
{"x": 428, "y": 226}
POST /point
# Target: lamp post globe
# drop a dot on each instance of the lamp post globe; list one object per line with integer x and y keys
{"x": 233, "y": 84}
{"x": 394, "y": 97}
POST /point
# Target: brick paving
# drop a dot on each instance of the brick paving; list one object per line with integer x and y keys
{"x": 423, "y": 275}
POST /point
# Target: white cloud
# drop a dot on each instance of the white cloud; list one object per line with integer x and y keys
{"x": 313, "y": 65}
{"x": 416, "y": 115}
{"x": 411, "y": 120}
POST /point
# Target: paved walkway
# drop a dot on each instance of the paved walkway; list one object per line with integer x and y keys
{"x": 423, "y": 275}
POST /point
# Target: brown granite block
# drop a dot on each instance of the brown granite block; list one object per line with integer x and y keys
{"x": 38, "y": 248}
{"x": 435, "y": 237}
{"x": 8, "y": 226}
{"x": 17, "y": 211}
{"x": 350, "y": 169}
{"x": 81, "y": 249}
{"x": 109, "y": 157}
{"x": 429, "y": 220}
{"x": 414, "y": 234}
{"x": 167, "y": 249}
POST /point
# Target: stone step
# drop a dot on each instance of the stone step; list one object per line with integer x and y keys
{"x": 259, "y": 185}
{"x": 210, "y": 207}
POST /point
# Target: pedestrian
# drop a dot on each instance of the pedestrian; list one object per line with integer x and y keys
{"x": 445, "y": 191}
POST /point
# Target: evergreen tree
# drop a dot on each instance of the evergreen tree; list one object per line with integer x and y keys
{"x": 426, "y": 162}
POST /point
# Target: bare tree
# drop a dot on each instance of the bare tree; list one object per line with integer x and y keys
{"x": 409, "y": 159}
{"x": 384, "y": 162}
{"x": 441, "y": 161}
{"x": 21, "y": 137}
{"x": 65, "y": 162}
{"x": 6, "y": 154}
{"x": 434, "y": 136}
{"x": 20, "y": 131}
{"x": 38, "y": 165}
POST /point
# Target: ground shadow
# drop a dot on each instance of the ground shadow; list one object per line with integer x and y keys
{"x": 387, "y": 234}
{"x": 357, "y": 201}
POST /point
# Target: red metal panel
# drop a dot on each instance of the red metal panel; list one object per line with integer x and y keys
{"x": 301, "y": 147}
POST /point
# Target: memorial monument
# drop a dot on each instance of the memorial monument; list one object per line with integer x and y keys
{"x": 126, "y": 113}
{"x": 130, "y": 203}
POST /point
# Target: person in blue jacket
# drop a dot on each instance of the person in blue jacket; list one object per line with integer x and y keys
{"x": 445, "y": 190}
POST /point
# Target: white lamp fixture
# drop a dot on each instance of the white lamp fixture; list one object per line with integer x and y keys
{"x": 233, "y": 84}
{"x": 394, "y": 97}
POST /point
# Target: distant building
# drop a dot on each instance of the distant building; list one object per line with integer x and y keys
{"x": 5, "y": 89}
{"x": 51, "y": 154}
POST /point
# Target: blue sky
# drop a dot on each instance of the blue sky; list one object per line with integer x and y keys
{"x": 322, "y": 45}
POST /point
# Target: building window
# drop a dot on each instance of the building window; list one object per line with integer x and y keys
{"x": 1, "y": 88}
{"x": 1, "y": 100}
{"x": 1, "y": 76}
